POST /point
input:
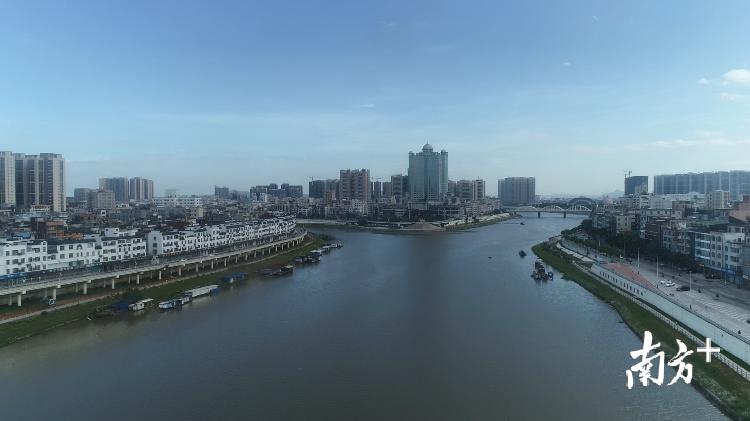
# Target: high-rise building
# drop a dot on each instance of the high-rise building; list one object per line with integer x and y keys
{"x": 452, "y": 188}
{"x": 355, "y": 185}
{"x": 400, "y": 187}
{"x": 387, "y": 191}
{"x": 377, "y": 189}
{"x": 466, "y": 190}
{"x": 637, "y": 184}
{"x": 7, "y": 179}
{"x": 428, "y": 175}
{"x": 737, "y": 183}
{"x": 316, "y": 189}
{"x": 40, "y": 180}
{"x": 141, "y": 189}
{"x": 514, "y": 191}
{"x": 481, "y": 189}
{"x": 120, "y": 186}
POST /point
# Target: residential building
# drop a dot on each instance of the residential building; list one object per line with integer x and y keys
{"x": 7, "y": 179}
{"x": 387, "y": 189}
{"x": 81, "y": 195}
{"x": 400, "y": 187}
{"x": 120, "y": 186}
{"x": 40, "y": 180}
{"x": 480, "y": 188}
{"x": 316, "y": 189}
{"x": 377, "y": 190}
{"x": 101, "y": 199}
{"x": 737, "y": 183}
{"x": 720, "y": 252}
{"x": 115, "y": 245}
{"x": 178, "y": 201}
{"x": 717, "y": 199}
{"x": 355, "y": 185}
{"x": 45, "y": 229}
{"x": 428, "y": 175}
{"x": 141, "y": 189}
{"x": 514, "y": 191}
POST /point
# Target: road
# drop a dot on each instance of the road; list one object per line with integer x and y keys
{"x": 730, "y": 309}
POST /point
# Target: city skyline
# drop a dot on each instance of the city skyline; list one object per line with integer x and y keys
{"x": 502, "y": 87}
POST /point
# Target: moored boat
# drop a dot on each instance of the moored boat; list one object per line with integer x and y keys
{"x": 140, "y": 305}
{"x": 167, "y": 305}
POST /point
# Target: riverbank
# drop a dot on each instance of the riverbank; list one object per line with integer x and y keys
{"x": 490, "y": 220}
{"x": 13, "y": 332}
{"x": 407, "y": 227}
{"x": 723, "y": 386}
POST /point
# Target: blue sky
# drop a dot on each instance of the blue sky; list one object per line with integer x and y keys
{"x": 194, "y": 94}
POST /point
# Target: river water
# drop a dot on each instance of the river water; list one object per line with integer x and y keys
{"x": 412, "y": 327}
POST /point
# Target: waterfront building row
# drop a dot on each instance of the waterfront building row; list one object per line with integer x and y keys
{"x": 19, "y": 256}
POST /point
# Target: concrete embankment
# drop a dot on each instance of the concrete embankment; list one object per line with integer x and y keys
{"x": 725, "y": 387}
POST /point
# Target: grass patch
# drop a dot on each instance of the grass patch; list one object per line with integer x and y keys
{"x": 16, "y": 331}
{"x": 476, "y": 224}
{"x": 717, "y": 381}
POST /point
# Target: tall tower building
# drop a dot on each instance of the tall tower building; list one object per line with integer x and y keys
{"x": 7, "y": 179}
{"x": 428, "y": 175}
{"x": 40, "y": 180}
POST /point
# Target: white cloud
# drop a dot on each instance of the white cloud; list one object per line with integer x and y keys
{"x": 566, "y": 64}
{"x": 704, "y": 81}
{"x": 739, "y": 76}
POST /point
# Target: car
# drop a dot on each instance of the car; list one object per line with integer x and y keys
{"x": 683, "y": 288}
{"x": 669, "y": 284}
{"x": 662, "y": 282}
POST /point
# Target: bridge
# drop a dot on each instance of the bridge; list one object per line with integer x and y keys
{"x": 572, "y": 210}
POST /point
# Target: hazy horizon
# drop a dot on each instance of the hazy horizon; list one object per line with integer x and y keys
{"x": 194, "y": 95}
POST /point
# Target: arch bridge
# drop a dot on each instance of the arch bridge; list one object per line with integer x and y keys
{"x": 573, "y": 210}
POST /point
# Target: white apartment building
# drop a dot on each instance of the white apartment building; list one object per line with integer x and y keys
{"x": 21, "y": 256}
{"x": 720, "y": 251}
{"x": 178, "y": 201}
{"x": 199, "y": 237}
{"x": 116, "y": 245}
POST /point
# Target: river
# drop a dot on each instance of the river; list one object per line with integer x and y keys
{"x": 417, "y": 327}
